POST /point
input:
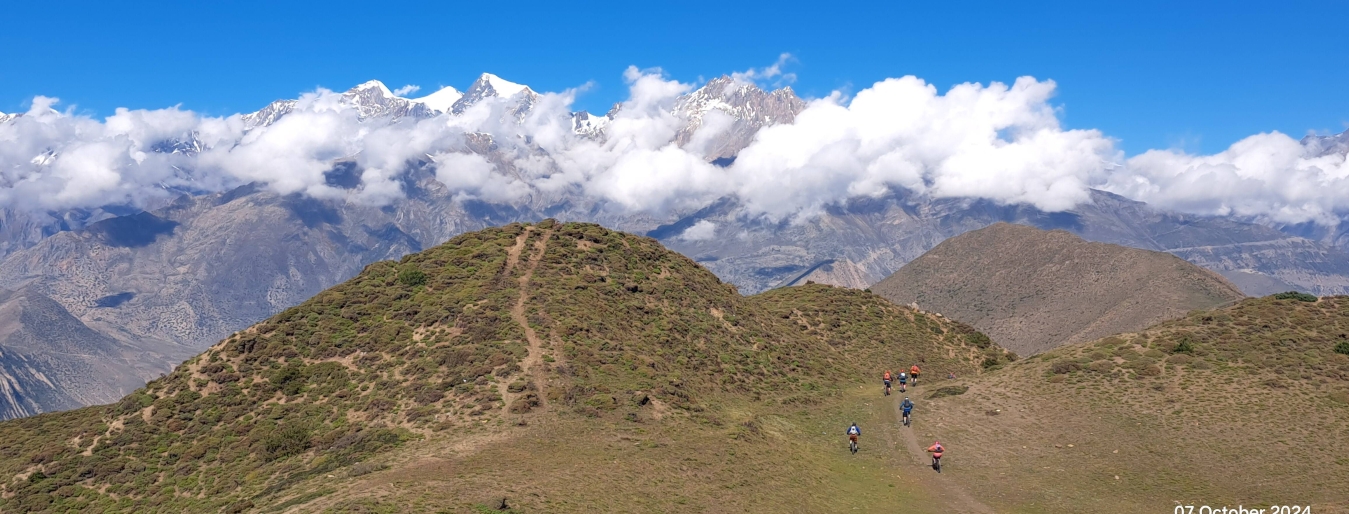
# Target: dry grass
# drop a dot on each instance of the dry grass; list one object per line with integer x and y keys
{"x": 1248, "y": 417}
{"x": 740, "y": 458}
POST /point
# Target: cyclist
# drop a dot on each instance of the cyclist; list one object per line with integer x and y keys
{"x": 908, "y": 407}
{"x": 913, "y": 373}
{"x": 936, "y": 449}
{"x": 903, "y": 379}
{"x": 853, "y": 433}
{"x": 886, "y": 379}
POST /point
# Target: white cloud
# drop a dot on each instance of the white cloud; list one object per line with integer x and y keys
{"x": 1266, "y": 175}
{"x": 998, "y": 141}
{"x": 474, "y": 175}
{"x": 701, "y": 231}
{"x": 407, "y": 90}
{"x": 769, "y": 72}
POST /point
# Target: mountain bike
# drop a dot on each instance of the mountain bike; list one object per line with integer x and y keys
{"x": 852, "y": 444}
{"x": 906, "y": 419}
{"x": 936, "y": 463}
{"x": 887, "y": 388}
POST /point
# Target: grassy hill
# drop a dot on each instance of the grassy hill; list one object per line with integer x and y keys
{"x": 1032, "y": 290}
{"x": 1247, "y": 405}
{"x": 563, "y": 367}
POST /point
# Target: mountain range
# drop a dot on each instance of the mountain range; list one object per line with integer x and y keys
{"x": 189, "y": 270}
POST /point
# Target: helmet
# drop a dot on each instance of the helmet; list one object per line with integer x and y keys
{"x": 906, "y": 397}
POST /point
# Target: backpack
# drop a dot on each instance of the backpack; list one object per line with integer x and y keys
{"x": 853, "y": 430}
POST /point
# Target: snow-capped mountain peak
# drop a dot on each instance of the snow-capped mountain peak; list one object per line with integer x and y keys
{"x": 502, "y": 86}
{"x": 751, "y": 107}
{"x": 4, "y": 118}
{"x": 1319, "y": 146}
{"x": 492, "y": 86}
{"x": 589, "y": 125}
{"x": 373, "y": 85}
{"x": 441, "y": 100}
{"x": 269, "y": 114}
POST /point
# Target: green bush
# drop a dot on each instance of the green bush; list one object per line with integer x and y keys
{"x": 1184, "y": 346}
{"x": 290, "y": 380}
{"x": 1294, "y": 295}
{"x": 979, "y": 340}
{"x": 286, "y": 441}
{"x": 1343, "y": 347}
{"x": 412, "y": 277}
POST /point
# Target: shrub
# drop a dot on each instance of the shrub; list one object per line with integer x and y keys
{"x": 1184, "y": 346}
{"x": 1065, "y": 366}
{"x": 286, "y": 441}
{"x": 979, "y": 340}
{"x": 1294, "y": 295}
{"x": 412, "y": 277}
{"x": 1343, "y": 347}
{"x": 948, "y": 391}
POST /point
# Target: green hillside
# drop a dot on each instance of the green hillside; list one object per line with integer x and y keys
{"x": 1245, "y": 405}
{"x": 562, "y": 366}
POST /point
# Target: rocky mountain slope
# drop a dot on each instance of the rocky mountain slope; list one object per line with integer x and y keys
{"x": 203, "y": 267}
{"x": 50, "y": 361}
{"x": 835, "y": 273}
{"x": 1180, "y": 410}
{"x": 1032, "y": 290}
{"x": 495, "y": 342}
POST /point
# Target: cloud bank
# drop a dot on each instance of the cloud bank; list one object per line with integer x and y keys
{"x": 1001, "y": 142}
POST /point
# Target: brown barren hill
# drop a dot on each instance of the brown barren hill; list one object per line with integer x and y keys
{"x": 1033, "y": 290}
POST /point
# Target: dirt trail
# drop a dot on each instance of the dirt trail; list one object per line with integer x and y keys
{"x": 957, "y": 498}
{"x": 532, "y": 363}
{"x": 513, "y": 260}
{"x": 513, "y": 255}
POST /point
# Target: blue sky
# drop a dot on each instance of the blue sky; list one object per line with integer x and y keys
{"x": 1154, "y": 75}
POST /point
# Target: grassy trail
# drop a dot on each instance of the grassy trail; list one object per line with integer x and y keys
{"x": 953, "y": 494}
